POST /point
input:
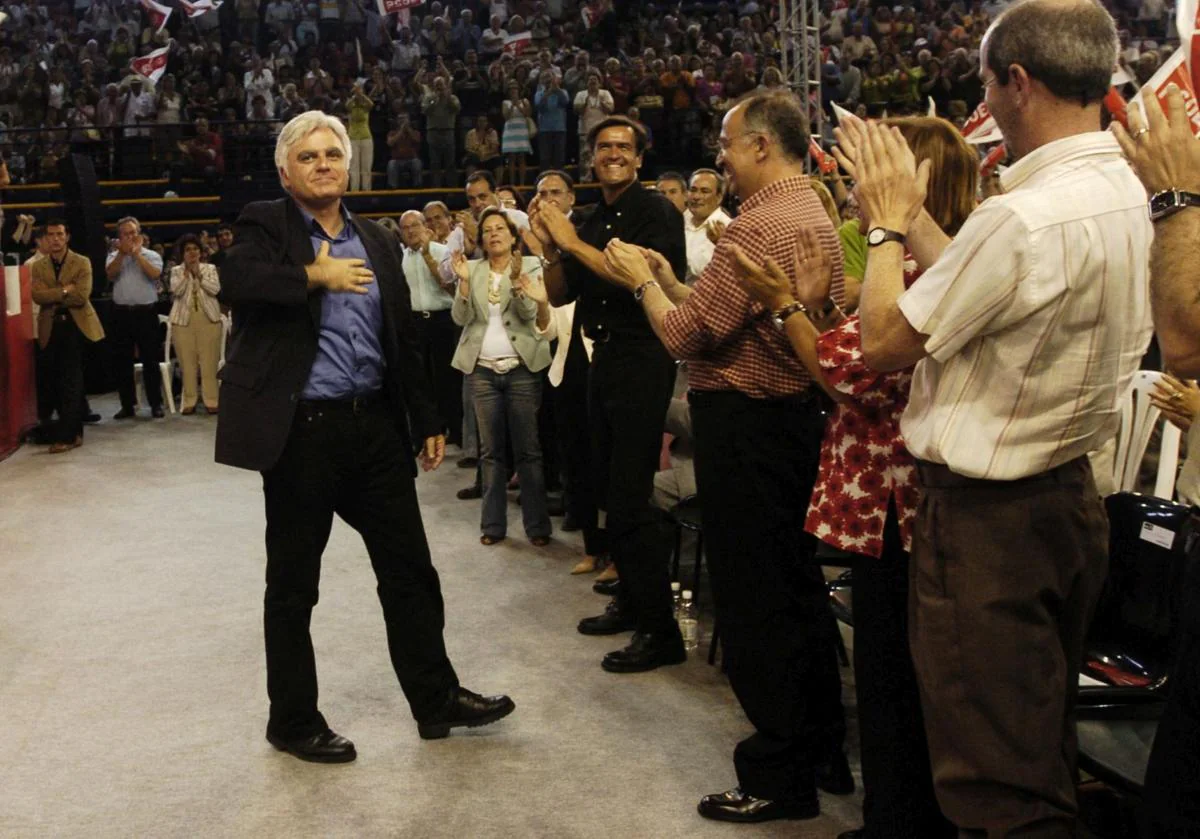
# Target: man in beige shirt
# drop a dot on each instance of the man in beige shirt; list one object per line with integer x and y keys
{"x": 1026, "y": 331}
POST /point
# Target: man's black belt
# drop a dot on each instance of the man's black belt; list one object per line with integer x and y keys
{"x": 353, "y": 404}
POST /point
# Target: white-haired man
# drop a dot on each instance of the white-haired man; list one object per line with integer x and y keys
{"x": 321, "y": 381}
{"x": 703, "y": 220}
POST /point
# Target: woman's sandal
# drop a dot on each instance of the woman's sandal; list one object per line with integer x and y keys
{"x": 539, "y": 541}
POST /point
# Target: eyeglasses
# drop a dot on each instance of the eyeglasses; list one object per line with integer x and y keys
{"x": 726, "y": 142}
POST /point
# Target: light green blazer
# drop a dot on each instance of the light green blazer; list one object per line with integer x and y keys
{"x": 519, "y": 314}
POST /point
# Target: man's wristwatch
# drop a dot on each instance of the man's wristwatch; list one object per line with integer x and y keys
{"x": 779, "y": 316}
{"x": 1170, "y": 201}
{"x": 878, "y": 235}
{"x": 640, "y": 291}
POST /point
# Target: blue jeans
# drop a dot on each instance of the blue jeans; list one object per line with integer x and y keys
{"x": 507, "y": 406}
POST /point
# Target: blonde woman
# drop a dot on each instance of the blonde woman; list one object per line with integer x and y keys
{"x": 502, "y": 306}
{"x": 196, "y": 323}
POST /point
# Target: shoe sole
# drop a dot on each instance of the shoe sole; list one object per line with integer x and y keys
{"x": 606, "y": 630}
{"x": 347, "y": 757}
{"x": 617, "y": 667}
{"x": 437, "y": 732}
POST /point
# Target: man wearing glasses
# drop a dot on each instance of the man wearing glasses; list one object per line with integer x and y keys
{"x": 629, "y": 386}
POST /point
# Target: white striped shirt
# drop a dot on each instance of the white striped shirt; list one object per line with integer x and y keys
{"x": 1037, "y": 315}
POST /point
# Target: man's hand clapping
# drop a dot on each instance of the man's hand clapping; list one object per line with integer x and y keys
{"x": 890, "y": 185}
{"x": 1162, "y": 149}
{"x": 341, "y": 275}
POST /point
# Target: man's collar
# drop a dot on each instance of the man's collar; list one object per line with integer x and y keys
{"x": 1056, "y": 152}
{"x": 314, "y": 227}
{"x": 634, "y": 187}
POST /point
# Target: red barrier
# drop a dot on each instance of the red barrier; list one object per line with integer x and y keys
{"x": 18, "y": 394}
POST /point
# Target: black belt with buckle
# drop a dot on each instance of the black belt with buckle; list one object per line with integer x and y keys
{"x": 354, "y": 404}
{"x": 417, "y": 313}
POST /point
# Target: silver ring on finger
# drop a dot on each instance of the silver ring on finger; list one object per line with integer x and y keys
{"x": 1138, "y": 134}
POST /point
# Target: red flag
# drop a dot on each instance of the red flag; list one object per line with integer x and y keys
{"x": 981, "y": 127}
{"x": 152, "y": 65}
{"x": 1195, "y": 51}
{"x": 158, "y": 14}
{"x": 1115, "y": 103}
{"x": 1174, "y": 72}
{"x": 516, "y": 44}
{"x": 825, "y": 162}
{"x": 993, "y": 160}
{"x": 389, "y": 7}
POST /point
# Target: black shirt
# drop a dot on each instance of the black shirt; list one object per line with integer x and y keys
{"x": 640, "y": 217}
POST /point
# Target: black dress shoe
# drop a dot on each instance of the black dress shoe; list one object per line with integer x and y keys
{"x": 157, "y": 412}
{"x": 569, "y": 525}
{"x": 124, "y": 413}
{"x": 647, "y": 651}
{"x": 467, "y": 462}
{"x": 607, "y": 587}
{"x": 835, "y": 777}
{"x": 468, "y": 493}
{"x": 92, "y": 418}
{"x": 857, "y": 833}
{"x": 468, "y": 710}
{"x": 737, "y": 806}
{"x": 325, "y": 747}
{"x": 614, "y": 620}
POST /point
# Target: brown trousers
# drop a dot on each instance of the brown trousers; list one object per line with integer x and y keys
{"x": 1004, "y": 579}
{"x": 198, "y": 350}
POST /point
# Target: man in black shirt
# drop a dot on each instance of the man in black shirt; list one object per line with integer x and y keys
{"x": 629, "y": 387}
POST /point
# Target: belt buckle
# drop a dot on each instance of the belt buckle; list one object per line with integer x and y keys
{"x": 426, "y": 315}
{"x": 358, "y": 404}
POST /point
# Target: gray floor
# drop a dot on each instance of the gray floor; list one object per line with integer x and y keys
{"x": 132, "y": 683}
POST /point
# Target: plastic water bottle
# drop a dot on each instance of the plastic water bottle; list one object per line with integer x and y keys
{"x": 689, "y": 627}
{"x": 676, "y": 599}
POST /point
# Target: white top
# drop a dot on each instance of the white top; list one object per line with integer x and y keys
{"x": 1037, "y": 315}
{"x": 595, "y": 109}
{"x": 427, "y": 292}
{"x": 699, "y": 248}
{"x": 496, "y": 343}
{"x": 561, "y": 321}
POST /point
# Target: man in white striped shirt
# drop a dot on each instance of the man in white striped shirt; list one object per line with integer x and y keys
{"x": 1026, "y": 331}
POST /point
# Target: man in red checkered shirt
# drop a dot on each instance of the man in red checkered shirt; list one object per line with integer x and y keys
{"x": 758, "y": 423}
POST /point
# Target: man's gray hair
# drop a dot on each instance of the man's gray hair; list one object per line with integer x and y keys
{"x": 715, "y": 174}
{"x": 1070, "y": 46}
{"x": 304, "y": 124}
{"x": 137, "y": 225}
{"x": 416, "y": 213}
{"x": 433, "y": 204}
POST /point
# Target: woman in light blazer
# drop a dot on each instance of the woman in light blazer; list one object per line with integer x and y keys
{"x": 196, "y": 323}
{"x": 501, "y": 303}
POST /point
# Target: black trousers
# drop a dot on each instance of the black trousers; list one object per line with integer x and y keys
{"x": 61, "y": 363}
{"x": 756, "y": 463}
{"x": 437, "y": 338}
{"x": 353, "y": 464}
{"x": 575, "y": 445}
{"x": 1171, "y": 803}
{"x": 629, "y": 386}
{"x": 898, "y": 797}
{"x": 137, "y": 326}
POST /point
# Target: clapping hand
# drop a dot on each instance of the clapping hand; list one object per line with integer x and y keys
{"x": 1162, "y": 149}
{"x": 890, "y": 186}
{"x": 627, "y": 264}
{"x": 558, "y": 226}
{"x": 661, "y": 268}
{"x": 770, "y": 286}
{"x": 533, "y": 288}
{"x": 1178, "y": 400}
{"x": 714, "y": 229}
{"x": 433, "y": 452}
{"x": 458, "y": 263}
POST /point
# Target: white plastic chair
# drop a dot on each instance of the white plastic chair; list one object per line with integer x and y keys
{"x": 226, "y": 328}
{"x": 1138, "y": 418}
{"x": 166, "y": 367}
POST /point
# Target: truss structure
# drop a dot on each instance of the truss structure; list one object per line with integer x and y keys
{"x": 800, "y": 47}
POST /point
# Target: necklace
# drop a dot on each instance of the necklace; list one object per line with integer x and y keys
{"x": 494, "y": 288}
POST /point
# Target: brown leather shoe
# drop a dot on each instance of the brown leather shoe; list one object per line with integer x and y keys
{"x": 59, "y": 448}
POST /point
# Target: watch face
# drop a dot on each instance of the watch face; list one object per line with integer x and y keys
{"x": 1161, "y": 202}
{"x": 875, "y": 236}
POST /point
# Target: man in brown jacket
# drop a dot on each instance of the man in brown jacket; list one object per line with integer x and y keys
{"x": 62, "y": 286}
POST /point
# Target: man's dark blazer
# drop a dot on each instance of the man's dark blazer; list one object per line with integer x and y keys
{"x": 276, "y": 321}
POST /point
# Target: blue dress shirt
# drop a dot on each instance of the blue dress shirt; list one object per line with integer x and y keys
{"x": 349, "y": 358}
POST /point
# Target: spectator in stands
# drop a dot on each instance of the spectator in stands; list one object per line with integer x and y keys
{"x": 1021, "y": 597}
{"x": 204, "y": 157}
{"x": 62, "y": 287}
{"x": 464, "y": 37}
{"x": 133, "y": 271}
{"x": 196, "y": 323}
{"x": 591, "y": 106}
{"x": 483, "y": 148}
{"x": 673, "y": 186}
{"x": 437, "y": 219}
{"x": 404, "y": 142}
{"x": 702, "y": 218}
{"x": 518, "y": 114}
{"x": 359, "y": 107}
{"x": 499, "y": 299}
{"x": 491, "y": 41}
{"x": 289, "y": 104}
{"x": 441, "y": 108}
{"x": 510, "y": 198}
{"x": 552, "y": 104}
{"x": 223, "y": 243}
{"x": 259, "y": 80}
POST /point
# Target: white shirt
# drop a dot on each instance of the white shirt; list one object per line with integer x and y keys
{"x": 1037, "y": 313}
{"x": 496, "y": 343}
{"x": 561, "y": 321}
{"x": 699, "y": 248}
{"x": 595, "y": 108}
{"x": 427, "y": 293}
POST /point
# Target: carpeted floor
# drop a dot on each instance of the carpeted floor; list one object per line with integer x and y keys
{"x": 132, "y": 686}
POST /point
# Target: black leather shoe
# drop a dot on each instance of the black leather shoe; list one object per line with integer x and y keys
{"x": 646, "y": 651}
{"x": 467, "y": 462}
{"x": 835, "y": 777}
{"x": 469, "y": 493}
{"x": 607, "y": 587}
{"x": 737, "y": 806}
{"x": 325, "y": 747}
{"x": 468, "y": 710}
{"x": 569, "y": 525}
{"x": 614, "y": 620}
{"x": 857, "y": 833}
{"x": 92, "y": 418}
{"x": 125, "y": 413}
{"x": 157, "y": 412}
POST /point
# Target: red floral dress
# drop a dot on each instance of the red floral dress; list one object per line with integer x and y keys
{"x": 864, "y": 462}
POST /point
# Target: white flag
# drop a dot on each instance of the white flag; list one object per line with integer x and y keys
{"x": 158, "y": 14}
{"x": 152, "y": 65}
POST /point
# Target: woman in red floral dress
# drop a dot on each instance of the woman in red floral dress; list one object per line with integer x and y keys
{"x": 865, "y": 499}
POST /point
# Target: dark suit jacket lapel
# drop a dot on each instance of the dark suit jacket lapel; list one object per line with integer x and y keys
{"x": 300, "y": 252}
